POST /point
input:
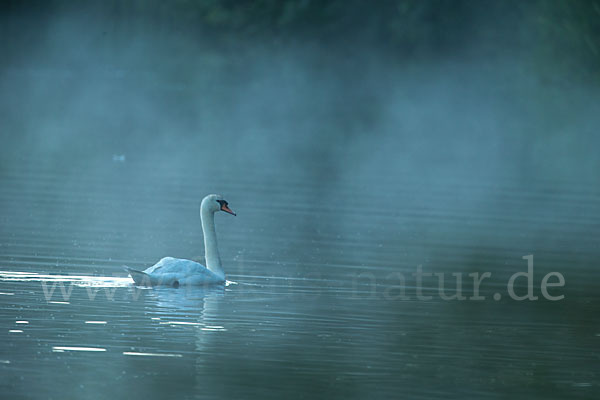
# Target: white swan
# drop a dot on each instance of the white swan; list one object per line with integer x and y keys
{"x": 176, "y": 271}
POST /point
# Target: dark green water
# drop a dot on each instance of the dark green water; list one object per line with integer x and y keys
{"x": 313, "y": 308}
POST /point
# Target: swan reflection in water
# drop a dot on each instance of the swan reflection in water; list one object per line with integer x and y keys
{"x": 185, "y": 301}
{"x": 190, "y": 306}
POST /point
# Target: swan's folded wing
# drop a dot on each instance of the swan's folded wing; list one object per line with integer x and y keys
{"x": 140, "y": 278}
{"x": 169, "y": 265}
{"x": 163, "y": 264}
{"x": 174, "y": 272}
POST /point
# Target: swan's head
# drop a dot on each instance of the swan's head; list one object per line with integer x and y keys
{"x": 215, "y": 202}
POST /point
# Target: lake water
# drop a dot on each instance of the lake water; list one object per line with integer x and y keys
{"x": 321, "y": 300}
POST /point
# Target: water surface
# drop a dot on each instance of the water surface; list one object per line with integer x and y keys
{"x": 313, "y": 307}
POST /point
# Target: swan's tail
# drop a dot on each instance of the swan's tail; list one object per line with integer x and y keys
{"x": 140, "y": 278}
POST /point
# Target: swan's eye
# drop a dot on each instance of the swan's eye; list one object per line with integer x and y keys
{"x": 225, "y": 207}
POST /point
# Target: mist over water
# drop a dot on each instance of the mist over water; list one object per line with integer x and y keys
{"x": 349, "y": 166}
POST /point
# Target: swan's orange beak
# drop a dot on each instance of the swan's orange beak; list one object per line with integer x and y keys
{"x": 225, "y": 207}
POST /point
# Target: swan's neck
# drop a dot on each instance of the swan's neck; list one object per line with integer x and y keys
{"x": 213, "y": 260}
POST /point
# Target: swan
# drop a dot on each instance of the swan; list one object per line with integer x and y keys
{"x": 174, "y": 272}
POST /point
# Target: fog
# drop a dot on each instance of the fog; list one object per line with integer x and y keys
{"x": 86, "y": 90}
{"x": 77, "y": 78}
{"x": 354, "y": 142}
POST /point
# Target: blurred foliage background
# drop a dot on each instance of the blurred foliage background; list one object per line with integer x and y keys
{"x": 525, "y": 73}
{"x": 557, "y": 36}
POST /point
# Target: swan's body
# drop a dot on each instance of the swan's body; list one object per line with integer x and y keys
{"x": 176, "y": 271}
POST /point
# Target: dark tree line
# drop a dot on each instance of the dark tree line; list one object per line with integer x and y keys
{"x": 564, "y": 33}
